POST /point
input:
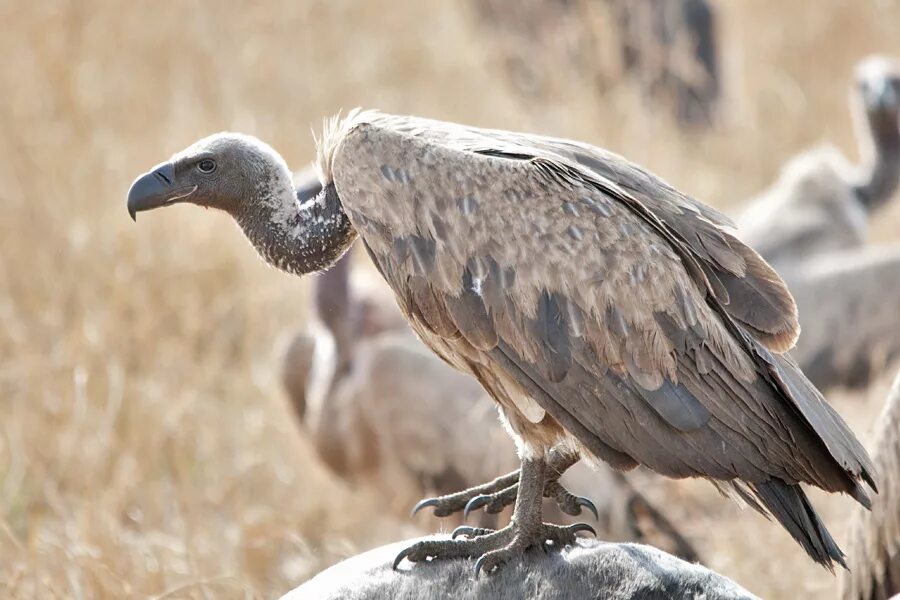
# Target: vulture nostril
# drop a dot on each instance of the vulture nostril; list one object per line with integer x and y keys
{"x": 161, "y": 176}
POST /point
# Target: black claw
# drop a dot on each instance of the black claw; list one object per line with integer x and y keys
{"x": 422, "y": 504}
{"x": 586, "y": 503}
{"x": 479, "y": 564}
{"x": 475, "y": 503}
{"x": 400, "y": 557}
{"x": 582, "y": 527}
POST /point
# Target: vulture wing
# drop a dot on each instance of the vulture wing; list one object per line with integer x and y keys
{"x": 623, "y": 308}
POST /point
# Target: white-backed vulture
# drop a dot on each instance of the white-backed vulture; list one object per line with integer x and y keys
{"x": 848, "y": 303}
{"x": 609, "y": 316}
{"x": 820, "y": 202}
{"x": 874, "y": 546}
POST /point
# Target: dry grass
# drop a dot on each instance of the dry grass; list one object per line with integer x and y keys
{"x": 144, "y": 447}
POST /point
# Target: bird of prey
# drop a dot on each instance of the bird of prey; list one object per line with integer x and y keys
{"x": 610, "y": 317}
{"x": 821, "y": 202}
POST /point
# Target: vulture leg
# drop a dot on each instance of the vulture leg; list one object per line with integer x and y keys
{"x": 498, "y": 547}
{"x": 496, "y": 495}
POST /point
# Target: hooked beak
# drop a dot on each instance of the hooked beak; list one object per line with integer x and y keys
{"x": 881, "y": 96}
{"x": 156, "y": 188}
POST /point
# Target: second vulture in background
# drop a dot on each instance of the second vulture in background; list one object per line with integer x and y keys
{"x": 822, "y": 203}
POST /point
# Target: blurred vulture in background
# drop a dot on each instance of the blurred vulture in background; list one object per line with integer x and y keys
{"x": 849, "y": 304}
{"x": 378, "y": 404}
{"x": 667, "y": 47}
{"x": 874, "y": 546}
{"x": 820, "y": 202}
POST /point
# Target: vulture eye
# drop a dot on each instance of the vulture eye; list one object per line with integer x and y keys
{"x": 207, "y": 165}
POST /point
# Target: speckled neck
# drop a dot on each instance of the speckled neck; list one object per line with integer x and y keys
{"x": 297, "y": 238}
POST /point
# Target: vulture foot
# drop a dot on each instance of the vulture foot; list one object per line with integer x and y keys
{"x": 453, "y": 503}
{"x": 470, "y": 532}
{"x": 494, "y": 548}
{"x": 496, "y": 495}
{"x": 568, "y": 502}
{"x": 547, "y": 536}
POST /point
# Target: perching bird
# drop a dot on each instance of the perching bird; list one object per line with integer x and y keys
{"x": 397, "y": 412}
{"x": 608, "y": 315}
{"x": 822, "y": 203}
{"x": 848, "y": 313}
{"x": 875, "y": 536}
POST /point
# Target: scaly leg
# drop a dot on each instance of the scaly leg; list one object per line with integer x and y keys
{"x": 498, "y": 547}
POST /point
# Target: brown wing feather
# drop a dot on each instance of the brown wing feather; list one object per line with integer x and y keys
{"x": 763, "y": 303}
{"x": 754, "y": 293}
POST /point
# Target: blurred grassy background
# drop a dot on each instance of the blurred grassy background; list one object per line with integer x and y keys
{"x": 145, "y": 449}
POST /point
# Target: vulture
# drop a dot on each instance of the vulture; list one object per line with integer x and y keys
{"x": 667, "y": 47}
{"x": 820, "y": 202}
{"x": 874, "y": 572}
{"x": 395, "y": 407}
{"x": 848, "y": 313}
{"x": 608, "y": 316}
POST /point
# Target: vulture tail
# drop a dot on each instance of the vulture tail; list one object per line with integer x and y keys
{"x": 790, "y": 506}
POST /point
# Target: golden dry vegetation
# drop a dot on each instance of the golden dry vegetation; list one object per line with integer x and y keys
{"x": 145, "y": 449}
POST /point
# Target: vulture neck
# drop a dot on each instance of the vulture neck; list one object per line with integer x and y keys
{"x": 879, "y": 173}
{"x": 294, "y": 237}
{"x": 334, "y": 304}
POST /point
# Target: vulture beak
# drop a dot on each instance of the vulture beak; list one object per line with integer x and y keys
{"x": 156, "y": 188}
{"x": 881, "y": 95}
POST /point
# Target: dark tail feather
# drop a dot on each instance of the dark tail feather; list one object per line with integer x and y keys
{"x": 791, "y": 507}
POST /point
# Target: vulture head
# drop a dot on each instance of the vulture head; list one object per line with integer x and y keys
{"x": 228, "y": 171}
{"x": 877, "y": 115}
{"x": 298, "y": 232}
{"x": 878, "y": 87}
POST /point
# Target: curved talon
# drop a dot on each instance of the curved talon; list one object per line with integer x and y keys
{"x": 470, "y": 532}
{"x": 475, "y": 503}
{"x": 479, "y": 564}
{"x": 582, "y": 527}
{"x": 465, "y": 530}
{"x": 423, "y": 504}
{"x": 581, "y": 501}
{"x": 399, "y": 559}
